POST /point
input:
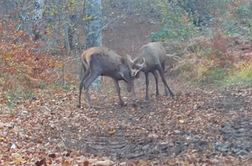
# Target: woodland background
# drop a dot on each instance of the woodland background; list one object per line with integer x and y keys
{"x": 40, "y": 71}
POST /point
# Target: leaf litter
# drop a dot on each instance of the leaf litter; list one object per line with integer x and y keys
{"x": 201, "y": 127}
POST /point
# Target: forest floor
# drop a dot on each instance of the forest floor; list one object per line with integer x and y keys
{"x": 200, "y": 127}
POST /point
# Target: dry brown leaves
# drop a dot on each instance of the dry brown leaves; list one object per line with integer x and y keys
{"x": 37, "y": 130}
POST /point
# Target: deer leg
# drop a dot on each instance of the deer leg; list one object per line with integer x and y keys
{"x": 81, "y": 86}
{"x": 165, "y": 89}
{"x": 87, "y": 83}
{"x": 156, "y": 80}
{"x": 118, "y": 92}
{"x": 147, "y": 85}
{"x": 163, "y": 66}
{"x": 161, "y": 72}
{"x": 133, "y": 94}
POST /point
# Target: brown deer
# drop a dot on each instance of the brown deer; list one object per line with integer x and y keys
{"x": 102, "y": 61}
{"x": 152, "y": 59}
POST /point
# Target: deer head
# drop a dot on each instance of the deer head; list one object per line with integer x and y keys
{"x": 135, "y": 66}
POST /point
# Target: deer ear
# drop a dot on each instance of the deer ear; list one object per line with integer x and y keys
{"x": 125, "y": 79}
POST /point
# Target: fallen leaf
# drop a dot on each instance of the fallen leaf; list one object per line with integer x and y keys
{"x": 112, "y": 132}
{"x": 28, "y": 137}
{"x": 74, "y": 153}
{"x": 39, "y": 140}
{"x": 41, "y": 162}
{"x": 52, "y": 155}
{"x": 20, "y": 160}
{"x": 12, "y": 130}
{"x": 1, "y": 139}
{"x": 103, "y": 123}
{"x": 103, "y": 163}
{"x": 67, "y": 163}
{"x": 142, "y": 95}
{"x": 181, "y": 121}
{"x": 86, "y": 163}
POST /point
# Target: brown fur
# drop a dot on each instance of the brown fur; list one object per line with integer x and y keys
{"x": 105, "y": 62}
{"x": 154, "y": 53}
{"x": 151, "y": 59}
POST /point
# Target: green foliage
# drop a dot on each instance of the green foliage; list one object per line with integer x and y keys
{"x": 246, "y": 71}
{"x": 242, "y": 75}
{"x": 87, "y": 18}
{"x": 55, "y": 51}
{"x": 42, "y": 86}
{"x": 12, "y": 96}
{"x": 227, "y": 16}
{"x": 160, "y": 35}
{"x": 243, "y": 12}
{"x": 213, "y": 60}
{"x": 216, "y": 78}
{"x": 217, "y": 74}
{"x": 180, "y": 33}
{"x": 177, "y": 24}
{"x": 67, "y": 87}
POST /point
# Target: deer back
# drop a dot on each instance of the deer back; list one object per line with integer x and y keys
{"x": 108, "y": 61}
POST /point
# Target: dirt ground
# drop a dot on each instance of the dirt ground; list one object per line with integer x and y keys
{"x": 127, "y": 34}
{"x": 201, "y": 127}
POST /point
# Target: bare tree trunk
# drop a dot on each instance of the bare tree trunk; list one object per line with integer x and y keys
{"x": 66, "y": 27}
{"x": 69, "y": 28}
{"x": 38, "y": 14}
{"x": 72, "y": 30}
{"x": 93, "y": 29}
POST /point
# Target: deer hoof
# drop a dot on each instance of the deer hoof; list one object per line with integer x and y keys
{"x": 166, "y": 92}
{"x": 123, "y": 104}
{"x": 78, "y": 106}
{"x": 89, "y": 105}
{"x": 134, "y": 104}
{"x": 174, "y": 97}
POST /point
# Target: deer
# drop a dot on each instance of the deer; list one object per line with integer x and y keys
{"x": 151, "y": 59}
{"x": 103, "y": 61}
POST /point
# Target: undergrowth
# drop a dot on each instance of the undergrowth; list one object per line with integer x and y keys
{"x": 24, "y": 65}
{"x": 215, "y": 61}
{"x": 243, "y": 74}
{"x": 216, "y": 55}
